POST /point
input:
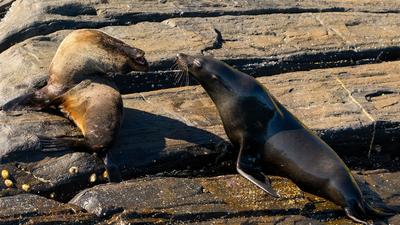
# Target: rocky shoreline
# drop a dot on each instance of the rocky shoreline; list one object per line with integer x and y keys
{"x": 333, "y": 64}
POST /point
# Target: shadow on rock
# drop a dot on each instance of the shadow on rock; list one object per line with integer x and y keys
{"x": 150, "y": 143}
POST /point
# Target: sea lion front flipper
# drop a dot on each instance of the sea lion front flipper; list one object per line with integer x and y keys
{"x": 249, "y": 171}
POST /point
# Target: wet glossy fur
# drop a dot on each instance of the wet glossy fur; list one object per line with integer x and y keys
{"x": 271, "y": 141}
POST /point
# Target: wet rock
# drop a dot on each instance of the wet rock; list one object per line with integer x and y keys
{"x": 51, "y": 176}
{"x": 224, "y": 199}
{"x": 33, "y": 209}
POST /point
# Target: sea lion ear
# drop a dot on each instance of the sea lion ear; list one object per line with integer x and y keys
{"x": 197, "y": 63}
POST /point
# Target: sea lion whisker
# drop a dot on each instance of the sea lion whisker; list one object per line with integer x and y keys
{"x": 174, "y": 66}
{"x": 177, "y": 77}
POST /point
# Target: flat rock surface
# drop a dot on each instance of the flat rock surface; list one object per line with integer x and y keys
{"x": 33, "y": 209}
{"x": 224, "y": 199}
{"x": 259, "y": 45}
{"x": 350, "y": 108}
{"x": 28, "y": 18}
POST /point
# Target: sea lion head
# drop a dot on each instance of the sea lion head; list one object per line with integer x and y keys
{"x": 217, "y": 78}
{"x": 137, "y": 61}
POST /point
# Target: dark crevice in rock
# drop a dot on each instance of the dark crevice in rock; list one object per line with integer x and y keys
{"x": 378, "y": 93}
{"x": 73, "y": 9}
{"x": 217, "y": 43}
{"x": 42, "y": 28}
{"x": 308, "y": 61}
{"x": 161, "y": 77}
{"x": 4, "y": 8}
{"x": 209, "y": 216}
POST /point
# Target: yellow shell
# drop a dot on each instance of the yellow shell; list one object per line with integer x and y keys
{"x": 25, "y": 187}
{"x": 105, "y": 174}
{"x": 8, "y": 183}
{"x": 5, "y": 174}
{"x": 93, "y": 178}
{"x": 73, "y": 170}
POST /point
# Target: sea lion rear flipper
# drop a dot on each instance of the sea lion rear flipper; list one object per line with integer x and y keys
{"x": 83, "y": 84}
{"x": 248, "y": 170}
{"x": 26, "y": 102}
{"x": 53, "y": 144}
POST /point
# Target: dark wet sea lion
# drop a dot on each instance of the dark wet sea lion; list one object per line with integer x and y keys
{"x": 77, "y": 85}
{"x": 272, "y": 141}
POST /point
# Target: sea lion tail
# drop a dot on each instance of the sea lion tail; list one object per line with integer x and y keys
{"x": 381, "y": 211}
{"x": 361, "y": 209}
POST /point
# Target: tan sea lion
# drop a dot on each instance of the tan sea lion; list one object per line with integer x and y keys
{"x": 81, "y": 54}
{"x": 77, "y": 84}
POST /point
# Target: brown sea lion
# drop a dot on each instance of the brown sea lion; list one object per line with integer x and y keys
{"x": 77, "y": 84}
{"x": 273, "y": 141}
{"x": 82, "y": 53}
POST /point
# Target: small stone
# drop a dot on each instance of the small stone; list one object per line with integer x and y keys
{"x": 53, "y": 195}
{"x": 93, "y": 178}
{"x": 8, "y": 183}
{"x": 5, "y": 174}
{"x": 73, "y": 170}
{"x": 25, "y": 187}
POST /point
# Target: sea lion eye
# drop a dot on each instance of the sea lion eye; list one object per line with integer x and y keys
{"x": 197, "y": 63}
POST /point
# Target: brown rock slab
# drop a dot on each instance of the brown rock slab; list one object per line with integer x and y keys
{"x": 26, "y": 19}
{"x": 228, "y": 199}
{"x": 258, "y": 45}
{"x": 178, "y": 131}
{"x": 33, "y": 209}
{"x": 270, "y": 44}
